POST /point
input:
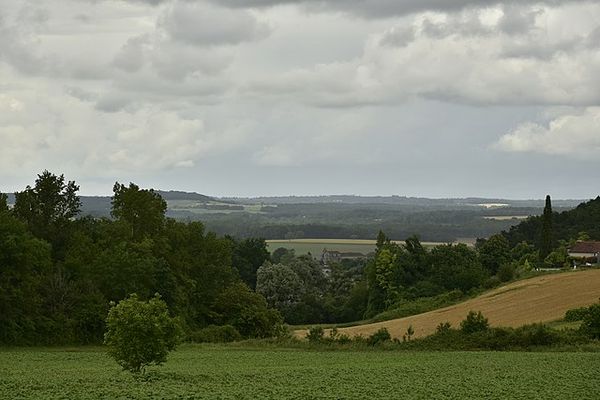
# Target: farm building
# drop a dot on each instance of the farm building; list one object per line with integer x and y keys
{"x": 585, "y": 252}
{"x": 333, "y": 256}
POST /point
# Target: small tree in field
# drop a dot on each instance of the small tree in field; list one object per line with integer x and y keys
{"x": 475, "y": 322}
{"x": 140, "y": 333}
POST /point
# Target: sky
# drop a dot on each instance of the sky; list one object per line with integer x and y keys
{"x": 429, "y": 98}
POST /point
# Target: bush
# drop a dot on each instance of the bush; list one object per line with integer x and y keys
{"x": 536, "y": 335}
{"x": 216, "y": 334}
{"x": 315, "y": 334}
{"x": 443, "y": 327}
{"x": 506, "y": 272}
{"x": 343, "y": 339}
{"x": 140, "y": 333}
{"x": 576, "y": 314}
{"x": 491, "y": 282}
{"x": 590, "y": 325}
{"x": 475, "y": 322}
{"x": 381, "y": 336}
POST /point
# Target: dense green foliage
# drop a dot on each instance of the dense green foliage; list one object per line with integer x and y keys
{"x": 58, "y": 273}
{"x": 402, "y": 274}
{"x": 590, "y": 324}
{"x": 225, "y": 372}
{"x": 139, "y": 333}
{"x": 566, "y": 225}
{"x": 475, "y": 322}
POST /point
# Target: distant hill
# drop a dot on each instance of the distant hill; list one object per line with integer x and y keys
{"x": 179, "y": 195}
{"x": 566, "y": 225}
{"x": 402, "y": 200}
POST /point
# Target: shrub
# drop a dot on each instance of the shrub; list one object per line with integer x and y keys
{"x": 591, "y": 322}
{"x": 576, "y": 314}
{"x": 343, "y": 339}
{"x": 409, "y": 332}
{"x": 443, "y": 327}
{"x": 506, "y": 272}
{"x": 475, "y": 322}
{"x": 536, "y": 335}
{"x": 381, "y": 336}
{"x": 140, "y": 333}
{"x": 491, "y": 282}
{"x": 315, "y": 334}
{"x": 216, "y": 334}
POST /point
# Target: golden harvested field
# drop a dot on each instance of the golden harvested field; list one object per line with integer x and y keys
{"x": 540, "y": 299}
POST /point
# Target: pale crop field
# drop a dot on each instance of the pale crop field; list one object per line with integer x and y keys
{"x": 316, "y": 246}
{"x": 229, "y": 372}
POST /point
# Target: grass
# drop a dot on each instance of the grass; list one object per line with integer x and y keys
{"x": 230, "y": 372}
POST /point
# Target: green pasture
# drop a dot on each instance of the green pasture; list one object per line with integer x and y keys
{"x": 230, "y": 372}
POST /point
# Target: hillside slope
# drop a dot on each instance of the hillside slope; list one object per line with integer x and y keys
{"x": 540, "y": 299}
{"x": 566, "y": 225}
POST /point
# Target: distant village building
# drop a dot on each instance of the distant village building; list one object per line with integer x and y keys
{"x": 333, "y": 256}
{"x": 585, "y": 252}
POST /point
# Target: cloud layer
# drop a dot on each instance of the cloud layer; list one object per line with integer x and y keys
{"x": 281, "y": 91}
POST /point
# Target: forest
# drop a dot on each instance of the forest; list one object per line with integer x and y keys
{"x": 60, "y": 272}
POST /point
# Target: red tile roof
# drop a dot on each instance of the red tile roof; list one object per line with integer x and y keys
{"x": 585, "y": 247}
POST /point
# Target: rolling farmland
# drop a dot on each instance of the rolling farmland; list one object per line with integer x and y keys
{"x": 540, "y": 299}
{"x": 229, "y": 372}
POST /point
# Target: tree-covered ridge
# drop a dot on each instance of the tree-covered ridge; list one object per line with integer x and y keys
{"x": 58, "y": 273}
{"x": 566, "y": 225}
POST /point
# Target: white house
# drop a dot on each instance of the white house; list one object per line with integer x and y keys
{"x": 586, "y": 251}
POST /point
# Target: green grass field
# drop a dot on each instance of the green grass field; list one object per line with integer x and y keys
{"x": 229, "y": 372}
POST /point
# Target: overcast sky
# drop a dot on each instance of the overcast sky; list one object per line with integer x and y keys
{"x": 435, "y": 98}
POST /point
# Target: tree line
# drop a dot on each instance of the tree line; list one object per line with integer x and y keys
{"x": 59, "y": 271}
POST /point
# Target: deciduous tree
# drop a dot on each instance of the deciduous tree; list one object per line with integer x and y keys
{"x": 143, "y": 209}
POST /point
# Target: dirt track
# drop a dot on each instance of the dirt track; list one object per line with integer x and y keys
{"x": 540, "y": 299}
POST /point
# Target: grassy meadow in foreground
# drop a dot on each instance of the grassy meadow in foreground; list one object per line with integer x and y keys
{"x": 228, "y": 372}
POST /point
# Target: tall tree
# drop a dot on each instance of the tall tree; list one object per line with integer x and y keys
{"x": 547, "y": 230}
{"x": 382, "y": 240}
{"x": 144, "y": 210}
{"x": 248, "y": 255}
{"x": 494, "y": 253}
{"x": 24, "y": 261}
{"x": 48, "y": 207}
{"x": 3, "y": 202}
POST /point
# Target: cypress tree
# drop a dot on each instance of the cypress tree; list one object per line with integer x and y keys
{"x": 547, "y": 233}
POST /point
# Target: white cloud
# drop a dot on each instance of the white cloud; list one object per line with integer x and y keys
{"x": 466, "y": 57}
{"x": 576, "y": 135}
{"x": 38, "y": 130}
